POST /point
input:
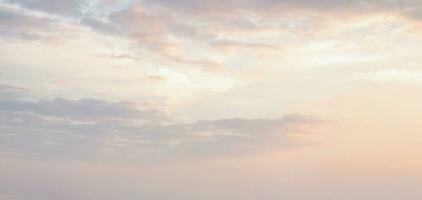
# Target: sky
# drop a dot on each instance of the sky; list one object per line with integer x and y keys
{"x": 195, "y": 99}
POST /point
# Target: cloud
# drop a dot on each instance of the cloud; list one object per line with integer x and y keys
{"x": 81, "y": 109}
{"x": 12, "y": 92}
{"x": 224, "y": 8}
{"x": 99, "y": 26}
{"x": 394, "y": 75}
{"x": 268, "y": 5}
{"x": 63, "y": 7}
{"x": 18, "y": 100}
{"x": 92, "y": 128}
{"x": 20, "y": 25}
{"x": 152, "y": 22}
{"x": 153, "y": 31}
{"x": 173, "y": 29}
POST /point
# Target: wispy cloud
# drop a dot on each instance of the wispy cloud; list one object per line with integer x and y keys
{"x": 58, "y": 128}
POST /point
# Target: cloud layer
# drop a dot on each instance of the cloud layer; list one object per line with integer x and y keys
{"x": 88, "y": 128}
{"x": 171, "y": 29}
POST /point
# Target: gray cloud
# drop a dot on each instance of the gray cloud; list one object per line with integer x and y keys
{"x": 100, "y": 26}
{"x": 62, "y": 7}
{"x": 88, "y": 128}
{"x": 23, "y": 26}
{"x": 152, "y": 30}
{"x": 17, "y": 100}
{"x": 154, "y": 24}
{"x": 12, "y": 92}
{"x": 327, "y": 5}
{"x": 82, "y": 109}
{"x": 77, "y": 7}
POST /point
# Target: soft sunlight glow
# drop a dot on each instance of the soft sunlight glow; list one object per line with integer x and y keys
{"x": 197, "y": 99}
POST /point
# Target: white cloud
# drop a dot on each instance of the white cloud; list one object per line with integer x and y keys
{"x": 396, "y": 75}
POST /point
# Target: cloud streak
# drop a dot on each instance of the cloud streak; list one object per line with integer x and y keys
{"x": 87, "y": 128}
{"x": 174, "y": 29}
{"x": 23, "y": 26}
